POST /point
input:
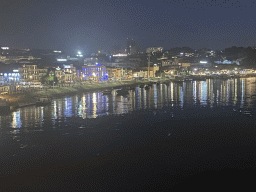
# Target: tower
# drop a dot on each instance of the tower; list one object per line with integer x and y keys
{"x": 131, "y": 47}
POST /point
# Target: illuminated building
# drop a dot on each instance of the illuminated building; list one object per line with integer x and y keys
{"x": 31, "y": 74}
{"x": 9, "y": 74}
{"x": 94, "y": 72}
{"x": 65, "y": 75}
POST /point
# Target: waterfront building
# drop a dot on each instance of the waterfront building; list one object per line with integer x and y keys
{"x": 9, "y": 74}
{"x": 114, "y": 73}
{"x": 94, "y": 72}
{"x": 66, "y": 74}
{"x": 29, "y": 74}
{"x": 152, "y": 70}
{"x": 59, "y": 74}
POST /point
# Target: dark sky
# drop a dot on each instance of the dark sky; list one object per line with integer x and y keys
{"x": 90, "y": 25}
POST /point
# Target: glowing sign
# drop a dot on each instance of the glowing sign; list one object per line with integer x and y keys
{"x": 15, "y": 70}
{"x": 55, "y": 51}
{"x": 4, "y": 48}
{"x": 61, "y": 59}
{"x": 203, "y": 61}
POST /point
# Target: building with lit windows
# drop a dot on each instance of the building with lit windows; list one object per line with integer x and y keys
{"x": 31, "y": 74}
{"x": 9, "y": 74}
{"x": 94, "y": 72}
{"x": 65, "y": 74}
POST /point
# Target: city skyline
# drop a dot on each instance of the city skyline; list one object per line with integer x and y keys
{"x": 89, "y": 26}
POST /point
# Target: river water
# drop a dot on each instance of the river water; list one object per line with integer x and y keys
{"x": 99, "y": 121}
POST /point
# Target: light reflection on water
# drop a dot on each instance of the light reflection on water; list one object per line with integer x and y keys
{"x": 235, "y": 92}
{"x": 209, "y": 93}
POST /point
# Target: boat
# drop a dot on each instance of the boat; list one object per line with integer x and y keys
{"x": 43, "y": 100}
{"x": 107, "y": 92}
{"x": 122, "y": 92}
{"x": 147, "y": 87}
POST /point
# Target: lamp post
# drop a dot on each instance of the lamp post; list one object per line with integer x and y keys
{"x": 148, "y": 64}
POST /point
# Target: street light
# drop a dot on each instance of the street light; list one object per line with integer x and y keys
{"x": 148, "y": 64}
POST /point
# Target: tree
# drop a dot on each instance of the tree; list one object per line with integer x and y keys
{"x": 250, "y": 58}
{"x": 49, "y": 80}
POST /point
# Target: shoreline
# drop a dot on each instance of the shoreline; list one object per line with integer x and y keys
{"x": 28, "y": 98}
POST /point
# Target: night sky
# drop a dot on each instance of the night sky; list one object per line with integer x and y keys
{"x": 90, "y": 25}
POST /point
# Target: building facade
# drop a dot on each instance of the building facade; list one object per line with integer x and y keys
{"x": 94, "y": 73}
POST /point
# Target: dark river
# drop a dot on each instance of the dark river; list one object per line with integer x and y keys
{"x": 181, "y": 131}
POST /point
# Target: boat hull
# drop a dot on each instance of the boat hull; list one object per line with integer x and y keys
{"x": 42, "y": 103}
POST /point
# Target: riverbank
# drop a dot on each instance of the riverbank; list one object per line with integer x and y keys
{"x": 28, "y": 98}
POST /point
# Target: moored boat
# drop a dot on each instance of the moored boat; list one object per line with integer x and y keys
{"x": 122, "y": 92}
{"x": 107, "y": 92}
{"x": 43, "y": 100}
{"x": 147, "y": 87}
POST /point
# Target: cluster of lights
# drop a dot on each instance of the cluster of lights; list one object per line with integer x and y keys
{"x": 79, "y": 54}
{"x": 120, "y": 55}
{"x": 61, "y": 59}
